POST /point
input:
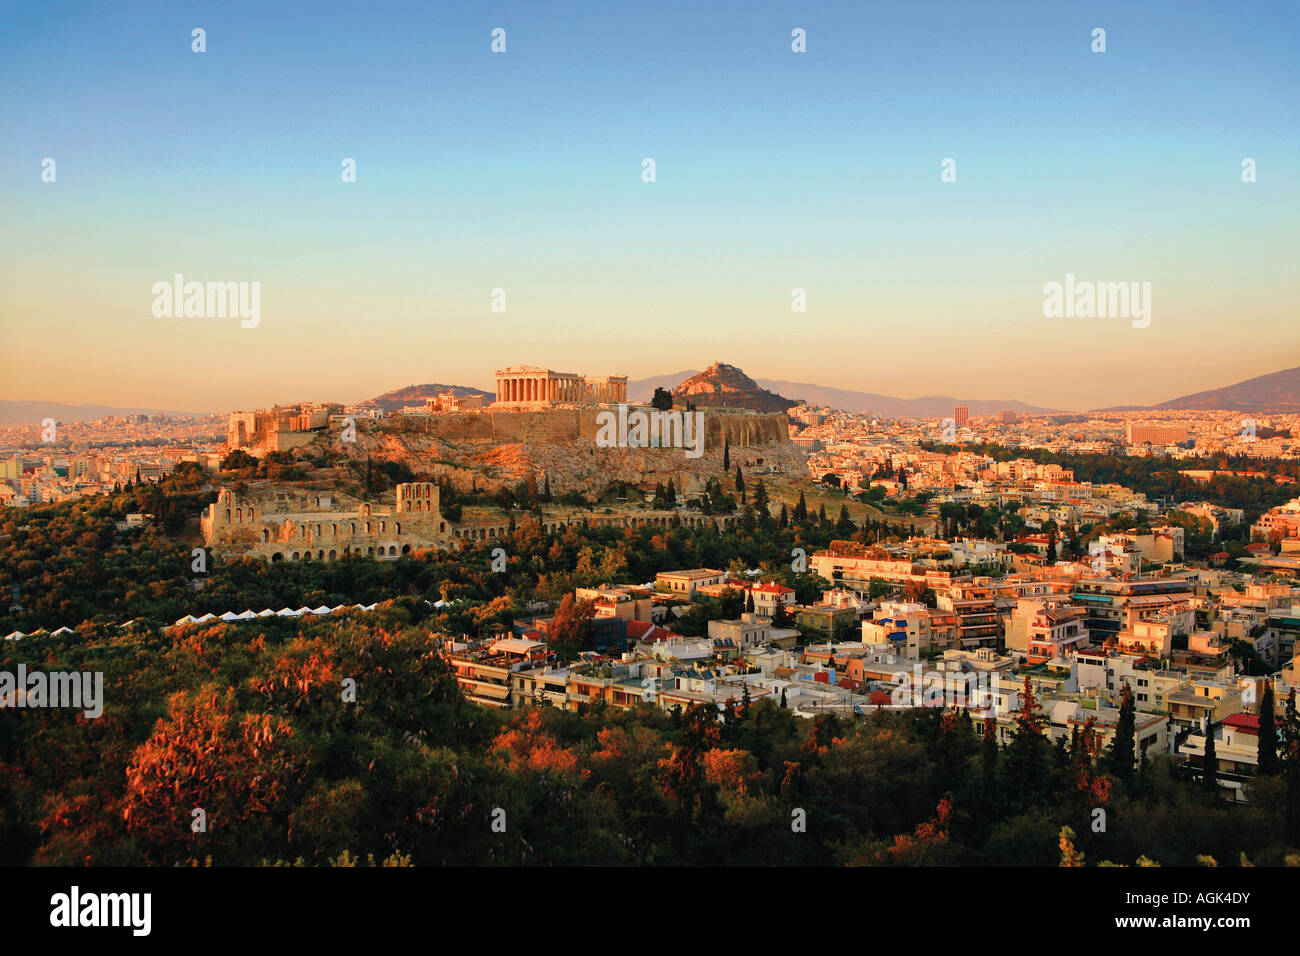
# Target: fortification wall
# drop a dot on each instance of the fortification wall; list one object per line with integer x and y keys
{"x": 560, "y": 425}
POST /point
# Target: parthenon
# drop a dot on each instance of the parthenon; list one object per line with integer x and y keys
{"x": 530, "y": 385}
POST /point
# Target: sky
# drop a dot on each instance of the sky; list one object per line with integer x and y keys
{"x": 523, "y": 171}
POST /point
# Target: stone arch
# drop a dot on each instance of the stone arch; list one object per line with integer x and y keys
{"x": 333, "y": 555}
{"x": 277, "y": 557}
{"x": 406, "y": 549}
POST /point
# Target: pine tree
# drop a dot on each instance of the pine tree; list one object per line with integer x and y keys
{"x": 845, "y": 523}
{"x": 1292, "y": 770}
{"x": 1028, "y": 765}
{"x": 784, "y": 520}
{"x": 1267, "y": 732}
{"x": 1210, "y": 764}
{"x": 990, "y": 753}
{"x": 1120, "y": 756}
{"x": 801, "y": 510}
{"x": 726, "y": 455}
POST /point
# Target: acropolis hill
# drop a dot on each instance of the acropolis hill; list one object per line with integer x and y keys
{"x": 492, "y": 446}
{"x": 543, "y": 423}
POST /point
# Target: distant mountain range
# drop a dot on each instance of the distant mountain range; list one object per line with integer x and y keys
{"x": 32, "y": 413}
{"x": 927, "y": 406}
{"x": 1275, "y": 392}
{"x": 924, "y": 406}
{"x": 728, "y": 386}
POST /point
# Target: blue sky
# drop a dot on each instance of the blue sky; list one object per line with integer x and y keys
{"x": 521, "y": 171}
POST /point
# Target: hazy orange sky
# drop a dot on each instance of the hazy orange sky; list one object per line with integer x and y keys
{"x": 523, "y": 171}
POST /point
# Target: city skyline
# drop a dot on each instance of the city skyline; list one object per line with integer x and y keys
{"x": 669, "y": 378}
{"x": 522, "y": 171}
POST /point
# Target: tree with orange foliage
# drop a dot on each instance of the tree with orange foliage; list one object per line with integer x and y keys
{"x": 927, "y": 845}
{"x": 239, "y": 769}
{"x": 570, "y": 629}
{"x": 525, "y": 745}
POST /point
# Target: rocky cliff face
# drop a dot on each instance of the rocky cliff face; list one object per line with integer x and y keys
{"x": 492, "y": 448}
{"x": 725, "y": 386}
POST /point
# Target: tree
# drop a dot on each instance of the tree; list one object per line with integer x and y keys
{"x": 1120, "y": 756}
{"x": 1267, "y": 732}
{"x": 1028, "y": 766}
{"x": 1210, "y": 764}
{"x": 801, "y": 510}
{"x": 726, "y": 455}
{"x": 989, "y": 753}
{"x": 571, "y": 627}
{"x": 662, "y": 400}
{"x": 237, "y": 460}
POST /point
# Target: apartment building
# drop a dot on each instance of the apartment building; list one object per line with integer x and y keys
{"x": 1112, "y": 605}
{"x": 684, "y": 583}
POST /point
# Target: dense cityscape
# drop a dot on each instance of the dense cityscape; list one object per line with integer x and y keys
{"x": 439, "y": 439}
{"x": 1051, "y": 615}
